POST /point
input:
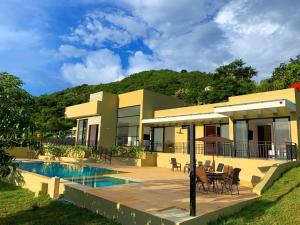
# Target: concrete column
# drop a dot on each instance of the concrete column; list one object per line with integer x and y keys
{"x": 294, "y": 128}
{"x": 231, "y": 128}
{"x": 53, "y": 190}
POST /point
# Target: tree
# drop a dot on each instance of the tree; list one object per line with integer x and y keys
{"x": 286, "y": 74}
{"x": 15, "y": 123}
{"x": 283, "y": 76}
{"x": 229, "y": 80}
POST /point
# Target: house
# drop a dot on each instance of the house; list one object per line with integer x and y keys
{"x": 264, "y": 127}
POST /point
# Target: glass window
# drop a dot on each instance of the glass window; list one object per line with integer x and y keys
{"x": 224, "y": 130}
{"x": 128, "y": 126}
{"x": 128, "y": 121}
{"x": 282, "y": 130}
{"x": 241, "y": 138}
{"x": 158, "y": 142}
{"x": 127, "y": 131}
{"x": 82, "y": 131}
{"x": 93, "y": 135}
{"x": 129, "y": 111}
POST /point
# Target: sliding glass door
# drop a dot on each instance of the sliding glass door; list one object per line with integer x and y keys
{"x": 158, "y": 139}
{"x": 282, "y": 138}
{"x": 241, "y": 138}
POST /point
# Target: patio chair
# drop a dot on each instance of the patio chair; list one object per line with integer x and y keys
{"x": 230, "y": 180}
{"x": 200, "y": 163}
{"x": 202, "y": 179}
{"x": 220, "y": 167}
{"x": 207, "y": 165}
{"x": 186, "y": 167}
{"x": 175, "y": 164}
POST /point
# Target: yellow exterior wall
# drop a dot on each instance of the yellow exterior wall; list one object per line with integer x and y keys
{"x": 181, "y": 135}
{"x": 35, "y": 182}
{"x": 149, "y": 102}
{"x": 21, "y": 152}
{"x": 288, "y": 94}
{"x": 108, "y": 124}
{"x": 130, "y": 99}
{"x": 252, "y": 169}
{"x": 83, "y": 110}
{"x": 188, "y": 110}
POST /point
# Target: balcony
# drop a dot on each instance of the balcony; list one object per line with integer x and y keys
{"x": 83, "y": 110}
{"x": 256, "y": 150}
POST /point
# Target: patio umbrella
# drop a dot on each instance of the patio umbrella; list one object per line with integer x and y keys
{"x": 214, "y": 139}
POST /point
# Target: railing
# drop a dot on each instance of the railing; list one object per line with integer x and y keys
{"x": 266, "y": 150}
{"x": 59, "y": 141}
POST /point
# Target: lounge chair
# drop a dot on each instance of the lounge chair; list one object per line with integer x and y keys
{"x": 232, "y": 179}
{"x": 175, "y": 164}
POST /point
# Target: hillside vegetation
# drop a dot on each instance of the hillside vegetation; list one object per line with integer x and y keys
{"x": 235, "y": 78}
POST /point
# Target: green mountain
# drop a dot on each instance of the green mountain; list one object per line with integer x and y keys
{"x": 235, "y": 78}
{"x": 49, "y": 115}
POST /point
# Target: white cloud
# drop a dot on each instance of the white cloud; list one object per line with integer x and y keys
{"x": 98, "y": 67}
{"x": 100, "y": 28}
{"x": 262, "y": 33}
{"x": 192, "y": 34}
{"x": 71, "y": 51}
{"x": 142, "y": 62}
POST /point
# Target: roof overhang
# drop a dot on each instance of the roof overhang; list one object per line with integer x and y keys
{"x": 271, "y": 106}
{"x": 181, "y": 119}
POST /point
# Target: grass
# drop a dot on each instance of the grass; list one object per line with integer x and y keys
{"x": 278, "y": 205}
{"x": 19, "y": 207}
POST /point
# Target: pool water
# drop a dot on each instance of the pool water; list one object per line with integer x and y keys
{"x": 101, "y": 181}
{"x": 82, "y": 174}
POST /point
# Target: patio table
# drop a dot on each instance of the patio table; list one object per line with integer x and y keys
{"x": 215, "y": 176}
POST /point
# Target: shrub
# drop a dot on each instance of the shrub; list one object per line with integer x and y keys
{"x": 55, "y": 150}
{"x": 7, "y": 164}
{"x": 128, "y": 151}
{"x": 68, "y": 151}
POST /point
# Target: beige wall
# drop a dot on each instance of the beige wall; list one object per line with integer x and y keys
{"x": 288, "y": 94}
{"x": 83, "y": 110}
{"x": 108, "y": 125}
{"x": 252, "y": 169}
{"x": 35, "y": 182}
{"x": 21, "y": 152}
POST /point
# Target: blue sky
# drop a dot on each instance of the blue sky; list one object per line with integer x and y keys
{"x": 53, "y": 45}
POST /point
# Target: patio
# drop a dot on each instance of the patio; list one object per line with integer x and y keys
{"x": 164, "y": 193}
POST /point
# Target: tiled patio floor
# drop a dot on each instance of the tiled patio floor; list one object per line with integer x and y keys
{"x": 164, "y": 193}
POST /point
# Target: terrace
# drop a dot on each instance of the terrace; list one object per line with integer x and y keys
{"x": 158, "y": 193}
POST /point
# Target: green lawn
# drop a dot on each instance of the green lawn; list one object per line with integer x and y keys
{"x": 279, "y": 205}
{"x": 19, "y": 207}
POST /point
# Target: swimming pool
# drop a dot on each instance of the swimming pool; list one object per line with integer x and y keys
{"x": 102, "y": 181}
{"x": 82, "y": 174}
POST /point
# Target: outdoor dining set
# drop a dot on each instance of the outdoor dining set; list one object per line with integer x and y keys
{"x": 219, "y": 180}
